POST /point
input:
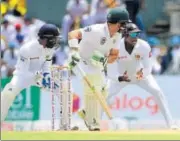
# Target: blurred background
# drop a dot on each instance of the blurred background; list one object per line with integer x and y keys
{"x": 159, "y": 21}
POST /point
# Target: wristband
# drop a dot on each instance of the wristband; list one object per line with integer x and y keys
{"x": 73, "y": 43}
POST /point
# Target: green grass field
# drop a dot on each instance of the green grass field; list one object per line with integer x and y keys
{"x": 85, "y": 135}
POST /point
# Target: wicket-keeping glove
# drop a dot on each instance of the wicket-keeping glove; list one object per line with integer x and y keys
{"x": 43, "y": 80}
{"x": 46, "y": 81}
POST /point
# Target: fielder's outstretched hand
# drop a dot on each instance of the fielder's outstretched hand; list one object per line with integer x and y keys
{"x": 124, "y": 78}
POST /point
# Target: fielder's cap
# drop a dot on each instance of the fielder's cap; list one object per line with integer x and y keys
{"x": 118, "y": 15}
{"x": 18, "y": 26}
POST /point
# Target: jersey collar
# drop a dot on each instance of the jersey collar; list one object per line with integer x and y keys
{"x": 106, "y": 29}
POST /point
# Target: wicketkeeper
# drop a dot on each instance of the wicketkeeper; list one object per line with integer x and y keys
{"x": 33, "y": 66}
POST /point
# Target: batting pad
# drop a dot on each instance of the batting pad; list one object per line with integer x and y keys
{"x": 91, "y": 104}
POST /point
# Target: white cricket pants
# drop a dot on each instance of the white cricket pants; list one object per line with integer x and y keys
{"x": 11, "y": 90}
{"x": 150, "y": 85}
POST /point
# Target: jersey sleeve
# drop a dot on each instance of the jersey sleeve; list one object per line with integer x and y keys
{"x": 146, "y": 61}
{"x": 47, "y": 66}
{"x": 89, "y": 36}
{"x": 112, "y": 71}
{"x": 88, "y": 32}
{"x": 48, "y": 60}
{"x": 23, "y": 62}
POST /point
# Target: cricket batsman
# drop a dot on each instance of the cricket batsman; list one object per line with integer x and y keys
{"x": 35, "y": 59}
{"x": 133, "y": 66}
{"x": 93, "y": 44}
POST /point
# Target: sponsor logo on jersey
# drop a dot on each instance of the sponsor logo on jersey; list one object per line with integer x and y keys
{"x": 33, "y": 58}
{"x": 122, "y": 57}
{"x": 103, "y": 40}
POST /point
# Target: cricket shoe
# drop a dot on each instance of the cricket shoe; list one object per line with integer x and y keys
{"x": 91, "y": 127}
{"x": 95, "y": 126}
{"x": 175, "y": 127}
{"x": 75, "y": 128}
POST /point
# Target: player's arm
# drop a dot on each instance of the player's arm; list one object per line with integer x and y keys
{"x": 81, "y": 35}
{"x": 114, "y": 51}
{"x": 113, "y": 55}
{"x": 48, "y": 60}
{"x": 43, "y": 77}
{"x": 146, "y": 61}
{"x": 74, "y": 38}
{"x": 47, "y": 65}
{"x": 23, "y": 62}
{"x": 112, "y": 71}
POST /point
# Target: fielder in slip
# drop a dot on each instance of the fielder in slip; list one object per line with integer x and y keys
{"x": 93, "y": 43}
{"x": 34, "y": 56}
{"x": 133, "y": 66}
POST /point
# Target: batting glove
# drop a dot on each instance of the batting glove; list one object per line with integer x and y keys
{"x": 97, "y": 59}
{"x": 74, "y": 59}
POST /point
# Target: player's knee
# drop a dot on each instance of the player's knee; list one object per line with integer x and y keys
{"x": 158, "y": 93}
{"x": 10, "y": 89}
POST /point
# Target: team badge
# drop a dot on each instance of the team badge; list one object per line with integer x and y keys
{"x": 103, "y": 40}
{"x": 137, "y": 56}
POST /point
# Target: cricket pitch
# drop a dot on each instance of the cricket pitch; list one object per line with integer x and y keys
{"x": 86, "y": 135}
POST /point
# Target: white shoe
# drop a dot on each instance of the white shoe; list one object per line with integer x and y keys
{"x": 95, "y": 126}
{"x": 175, "y": 127}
